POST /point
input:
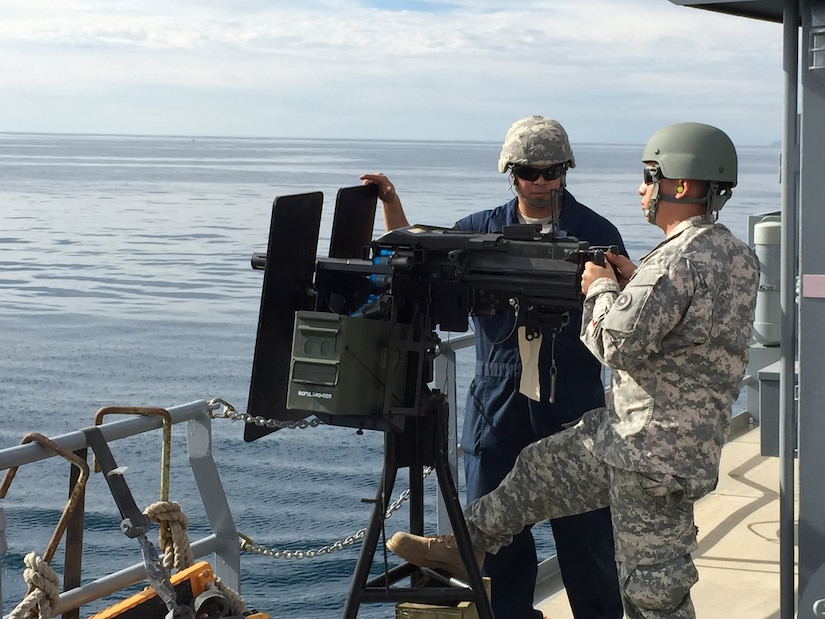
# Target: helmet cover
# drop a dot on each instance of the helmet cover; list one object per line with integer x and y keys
{"x": 535, "y": 141}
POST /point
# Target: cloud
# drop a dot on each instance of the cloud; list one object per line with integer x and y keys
{"x": 609, "y": 70}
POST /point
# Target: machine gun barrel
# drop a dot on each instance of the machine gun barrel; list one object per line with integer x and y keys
{"x": 258, "y": 261}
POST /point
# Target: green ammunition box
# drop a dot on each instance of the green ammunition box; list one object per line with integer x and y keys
{"x": 343, "y": 365}
{"x": 462, "y": 610}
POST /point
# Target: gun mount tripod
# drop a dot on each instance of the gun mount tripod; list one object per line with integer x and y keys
{"x": 421, "y": 443}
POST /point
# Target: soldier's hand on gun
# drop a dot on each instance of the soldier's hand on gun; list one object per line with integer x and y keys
{"x": 618, "y": 268}
{"x": 622, "y": 267}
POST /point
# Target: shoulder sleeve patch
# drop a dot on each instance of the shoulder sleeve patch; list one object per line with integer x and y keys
{"x": 623, "y": 301}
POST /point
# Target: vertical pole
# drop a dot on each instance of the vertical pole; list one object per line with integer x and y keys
{"x": 787, "y": 381}
{"x": 73, "y": 560}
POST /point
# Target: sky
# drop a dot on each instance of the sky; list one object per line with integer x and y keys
{"x": 611, "y": 71}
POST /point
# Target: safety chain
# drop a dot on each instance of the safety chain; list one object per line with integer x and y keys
{"x": 230, "y": 412}
{"x": 247, "y": 544}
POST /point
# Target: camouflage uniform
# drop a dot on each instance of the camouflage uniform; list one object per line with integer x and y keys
{"x": 676, "y": 339}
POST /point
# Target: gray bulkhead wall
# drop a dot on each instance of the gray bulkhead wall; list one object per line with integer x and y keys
{"x": 812, "y": 299}
{"x": 803, "y": 289}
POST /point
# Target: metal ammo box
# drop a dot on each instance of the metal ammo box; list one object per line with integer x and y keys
{"x": 342, "y": 365}
{"x": 463, "y": 610}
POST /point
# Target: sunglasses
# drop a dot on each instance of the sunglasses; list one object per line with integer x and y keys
{"x": 527, "y": 173}
{"x": 651, "y": 175}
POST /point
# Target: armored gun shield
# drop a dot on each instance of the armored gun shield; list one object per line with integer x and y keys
{"x": 289, "y": 265}
{"x": 289, "y": 287}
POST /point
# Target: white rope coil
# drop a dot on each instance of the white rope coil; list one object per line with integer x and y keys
{"x": 44, "y": 590}
{"x": 177, "y": 552}
{"x": 173, "y": 539}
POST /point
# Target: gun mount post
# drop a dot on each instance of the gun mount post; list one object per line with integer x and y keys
{"x": 422, "y": 442}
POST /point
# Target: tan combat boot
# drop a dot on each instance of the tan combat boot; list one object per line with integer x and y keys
{"x": 434, "y": 552}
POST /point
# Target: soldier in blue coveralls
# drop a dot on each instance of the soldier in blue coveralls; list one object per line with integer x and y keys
{"x": 500, "y": 420}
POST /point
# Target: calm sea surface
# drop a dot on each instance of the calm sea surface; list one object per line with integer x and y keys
{"x": 125, "y": 279}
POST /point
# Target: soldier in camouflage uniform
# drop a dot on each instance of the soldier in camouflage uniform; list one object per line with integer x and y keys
{"x": 675, "y": 332}
{"x": 499, "y": 420}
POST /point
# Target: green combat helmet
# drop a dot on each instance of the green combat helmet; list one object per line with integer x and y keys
{"x": 535, "y": 141}
{"x": 695, "y": 151}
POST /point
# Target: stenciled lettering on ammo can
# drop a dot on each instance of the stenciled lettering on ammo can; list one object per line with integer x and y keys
{"x": 320, "y": 395}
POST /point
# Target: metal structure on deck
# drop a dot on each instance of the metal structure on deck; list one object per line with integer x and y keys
{"x": 802, "y": 293}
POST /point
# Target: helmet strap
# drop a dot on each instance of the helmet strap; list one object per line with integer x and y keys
{"x": 684, "y": 200}
{"x": 717, "y": 196}
{"x": 653, "y": 204}
{"x": 657, "y": 197}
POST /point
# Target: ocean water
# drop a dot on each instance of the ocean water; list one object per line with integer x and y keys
{"x": 125, "y": 279}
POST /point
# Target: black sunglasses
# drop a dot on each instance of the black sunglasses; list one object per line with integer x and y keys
{"x": 527, "y": 173}
{"x": 651, "y": 175}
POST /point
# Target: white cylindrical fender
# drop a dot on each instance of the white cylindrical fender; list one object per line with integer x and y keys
{"x": 767, "y": 240}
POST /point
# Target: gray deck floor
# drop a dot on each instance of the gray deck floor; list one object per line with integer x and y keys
{"x": 738, "y": 557}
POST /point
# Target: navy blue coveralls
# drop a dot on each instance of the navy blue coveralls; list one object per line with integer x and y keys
{"x": 499, "y": 422}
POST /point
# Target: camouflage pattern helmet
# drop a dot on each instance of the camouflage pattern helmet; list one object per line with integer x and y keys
{"x": 693, "y": 151}
{"x": 535, "y": 141}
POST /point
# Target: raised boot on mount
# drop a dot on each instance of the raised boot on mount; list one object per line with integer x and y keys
{"x": 434, "y": 552}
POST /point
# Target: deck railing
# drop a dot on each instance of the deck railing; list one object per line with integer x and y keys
{"x": 222, "y": 542}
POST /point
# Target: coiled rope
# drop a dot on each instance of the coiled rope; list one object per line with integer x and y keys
{"x": 177, "y": 552}
{"x": 44, "y": 590}
{"x": 44, "y": 584}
